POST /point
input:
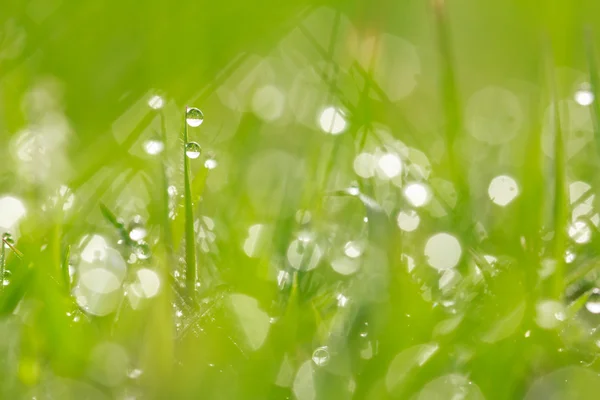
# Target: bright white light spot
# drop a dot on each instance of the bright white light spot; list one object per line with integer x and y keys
{"x": 502, "y": 190}
{"x": 569, "y": 257}
{"x": 149, "y": 282}
{"x": 390, "y": 165}
{"x": 417, "y": 194}
{"x": 11, "y": 211}
{"x": 156, "y": 102}
{"x": 211, "y": 163}
{"x": 364, "y": 165}
{"x": 408, "y": 221}
{"x": 353, "y": 249}
{"x": 443, "y": 251}
{"x": 153, "y": 147}
{"x": 268, "y": 103}
{"x": 584, "y": 97}
{"x": 580, "y": 232}
{"x": 332, "y": 121}
{"x": 341, "y": 300}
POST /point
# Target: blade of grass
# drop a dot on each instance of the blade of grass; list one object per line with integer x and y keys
{"x": 191, "y": 272}
{"x": 594, "y": 85}
{"x": 559, "y": 210}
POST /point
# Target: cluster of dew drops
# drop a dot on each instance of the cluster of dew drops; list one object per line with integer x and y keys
{"x": 194, "y": 118}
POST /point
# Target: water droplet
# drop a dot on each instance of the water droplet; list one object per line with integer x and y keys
{"x": 153, "y": 146}
{"x": 156, "y": 102}
{"x": 194, "y": 117}
{"x": 569, "y": 256}
{"x": 528, "y": 333}
{"x": 192, "y": 150}
{"x": 593, "y": 303}
{"x": 353, "y": 249}
{"x": 353, "y": 189}
{"x": 321, "y": 356}
{"x": 142, "y": 249}
{"x": 172, "y": 190}
{"x": 137, "y": 231}
{"x": 210, "y": 163}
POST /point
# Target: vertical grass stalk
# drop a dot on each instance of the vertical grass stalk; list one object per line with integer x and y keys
{"x": 191, "y": 272}
{"x": 559, "y": 207}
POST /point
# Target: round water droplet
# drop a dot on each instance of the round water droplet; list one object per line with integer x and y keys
{"x": 593, "y": 303}
{"x": 137, "y": 231}
{"x": 321, "y": 356}
{"x": 194, "y": 117}
{"x": 353, "y": 249}
{"x": 142, "y": 249}
{"x": 192, "y": 150}
{"x": 353, "y": 189}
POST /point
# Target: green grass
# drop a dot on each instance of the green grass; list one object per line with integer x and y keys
{"x": 275, "y": 265}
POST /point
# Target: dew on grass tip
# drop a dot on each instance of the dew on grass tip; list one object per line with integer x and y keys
{"x": 192, "y": 150}
{"x": 194, "y": 117}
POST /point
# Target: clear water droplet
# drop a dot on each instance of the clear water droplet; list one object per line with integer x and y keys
{"x": 321, "y": 356}
{"x": 137, "y": 230}
{"x": 192, "y": 150}
{"x": 142, "y": 249}
{"x": 353, "y": 189}
{"x": 194, "y": 117}
{"x": 353, "y": 249}
{"x": 593, "y": 303}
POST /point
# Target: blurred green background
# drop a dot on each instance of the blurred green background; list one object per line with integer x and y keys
{"x": 392, "y": 199}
